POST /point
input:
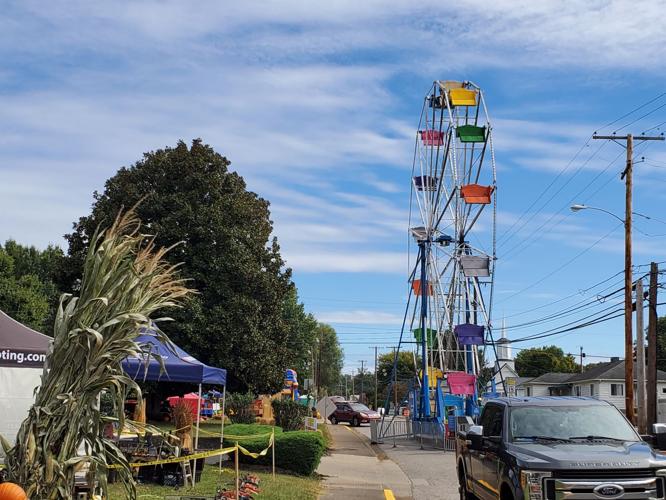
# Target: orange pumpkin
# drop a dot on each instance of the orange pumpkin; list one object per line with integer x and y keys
{"x": 11, "y": 491}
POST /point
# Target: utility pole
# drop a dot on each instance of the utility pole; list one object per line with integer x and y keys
{"x": 361, "y": 394}
{"x": 652, "y": 349}
{"x": 640, "y": 359}
{"x": 352, "y": 379}
{"x": 582, "y": 355}
{"x": 375, "y": 378}
{"x": 627, "y": 175}
{"x": 346, "y": 389}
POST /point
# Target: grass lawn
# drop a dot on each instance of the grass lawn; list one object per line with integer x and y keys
{"x": 283, "y": 487}
{"x": 326, "y": 432}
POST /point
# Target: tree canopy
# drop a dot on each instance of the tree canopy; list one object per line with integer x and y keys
{"x": 246, "y": 316}
{"x": 405, "y": 374}
{"x": 328, "y": 359}
{"x": 28, "y": 284}
{"x": 539, "y": 360}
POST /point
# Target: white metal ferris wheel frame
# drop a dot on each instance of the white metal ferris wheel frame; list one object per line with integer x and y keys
{"x": 455, "y": 298}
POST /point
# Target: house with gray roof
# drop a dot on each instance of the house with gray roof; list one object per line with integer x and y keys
{"x": 605, "y": 381}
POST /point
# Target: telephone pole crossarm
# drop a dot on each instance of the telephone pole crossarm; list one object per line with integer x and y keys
{"x": 624, "y": 137}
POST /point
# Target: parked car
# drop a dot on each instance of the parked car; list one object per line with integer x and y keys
{"x": 549, "y": 448}
{"x": 354, "y": 413}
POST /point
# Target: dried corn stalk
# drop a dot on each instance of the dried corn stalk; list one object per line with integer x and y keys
{"x": 182, "y": 416}
{"x": 125, "y": 281}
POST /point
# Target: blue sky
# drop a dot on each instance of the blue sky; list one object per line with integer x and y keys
{"x": 317, "y": 104}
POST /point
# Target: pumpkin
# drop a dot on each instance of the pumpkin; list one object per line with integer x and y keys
{"x": 11, "y": 491}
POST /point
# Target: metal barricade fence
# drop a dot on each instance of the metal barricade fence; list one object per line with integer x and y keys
{"x": 393, "y": 428}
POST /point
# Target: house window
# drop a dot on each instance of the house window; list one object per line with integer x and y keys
{"x": 591, "y": 389}
{"x": 663, "y": 390}
{"x": 577, "y": 390}
{"x": 617, "y": 389}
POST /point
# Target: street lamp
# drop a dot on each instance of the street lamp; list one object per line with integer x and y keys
{"x": 579, "y": 207}
{"x": 628, "y": 303}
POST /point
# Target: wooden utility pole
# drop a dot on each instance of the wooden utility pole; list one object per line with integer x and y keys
{"x": 582, "y": 355}
{"x": 640, "y": 360}
{"x": 627, "y": 175}
{"x": 652, "y": 349}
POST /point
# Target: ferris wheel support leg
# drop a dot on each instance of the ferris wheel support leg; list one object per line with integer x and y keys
{"x": 425, "y": 286}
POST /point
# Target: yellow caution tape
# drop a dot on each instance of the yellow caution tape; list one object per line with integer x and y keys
{"x": 258, "y": 454}
{"x": 203, "y": 454}
{"x": 233, "y": 437}
{"x": 184, "y": 458}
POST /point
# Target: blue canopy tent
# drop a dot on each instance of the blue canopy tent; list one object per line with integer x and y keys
{"x": 176, "y": 366}
{"x": 179, "y": 366}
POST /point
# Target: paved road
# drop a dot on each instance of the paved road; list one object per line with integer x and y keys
{"x": 353, "y": 471}
{"x": 432, "y": 473}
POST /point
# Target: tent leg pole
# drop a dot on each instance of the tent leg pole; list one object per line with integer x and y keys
{"x": 196, "y": 437}
{"x": 224, "y": 400}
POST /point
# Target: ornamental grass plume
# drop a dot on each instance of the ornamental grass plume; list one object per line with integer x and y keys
{"x": 125, "y": 281}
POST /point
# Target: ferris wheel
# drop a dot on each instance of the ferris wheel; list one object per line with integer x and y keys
{"x": 452, "y": 234}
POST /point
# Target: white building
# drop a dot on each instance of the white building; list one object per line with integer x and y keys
{"x": 605, "y": 381}
{"x": 505, "y": 369}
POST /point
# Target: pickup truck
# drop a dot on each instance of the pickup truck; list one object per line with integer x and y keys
{"x": 556, "y": 448}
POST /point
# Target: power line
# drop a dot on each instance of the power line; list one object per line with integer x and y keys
{"x": 566, "y": 167}
{"x": 579, "y": 254}
{"x": 633, "y": 111}
{"x": 507, "y": 236}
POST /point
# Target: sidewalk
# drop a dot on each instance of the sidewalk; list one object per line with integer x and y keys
{"x": 432, "y": 472}
{"x": 353, "y": 471}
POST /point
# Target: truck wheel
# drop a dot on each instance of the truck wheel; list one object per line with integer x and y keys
{"x": 333, "y": 420}
{"x": 356, "y": 422}
{"x": 462, "y": 487}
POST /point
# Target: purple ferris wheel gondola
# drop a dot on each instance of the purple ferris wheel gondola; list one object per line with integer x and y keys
{"x": 469, "y": 334}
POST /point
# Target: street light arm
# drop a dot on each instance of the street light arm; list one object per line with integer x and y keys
{"x": 609, "y": 213}
{"x": 583, "y": 207}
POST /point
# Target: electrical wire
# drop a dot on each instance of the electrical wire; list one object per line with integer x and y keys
{"x": 566, "y": 167}
{"x": 562, "y": 266}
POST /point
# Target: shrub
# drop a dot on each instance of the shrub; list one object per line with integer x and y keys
{"x": 239, "y": 408}
{"x": 289, "y": 414}
{"x": 249, "y": 429}
{"x": 298, "y": 451}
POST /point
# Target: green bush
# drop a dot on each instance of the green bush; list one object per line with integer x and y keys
{"x": 298, "y": 451}
{"x": 250, "y": 429}
{"x": 289, "y": 414}
{"x": 239, "y": 408}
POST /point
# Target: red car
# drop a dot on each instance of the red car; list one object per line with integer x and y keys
{"x": 354, "y": 413}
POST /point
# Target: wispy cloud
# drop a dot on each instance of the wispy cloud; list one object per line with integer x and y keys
{"x": 360, "y": 317}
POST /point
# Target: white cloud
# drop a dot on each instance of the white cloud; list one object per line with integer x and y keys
{"x": 360, "y": 317}
{"x": 347, "y": 261}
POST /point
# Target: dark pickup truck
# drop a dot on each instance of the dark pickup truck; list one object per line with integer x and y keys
{"x": 556, "y": 448}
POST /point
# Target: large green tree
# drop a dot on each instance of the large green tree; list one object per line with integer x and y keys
{"x": 241, "y": 317}
{"x": 539, "y": 360}
{"x": 405, "y": 375}
{"x": 328, "y": 358}
{"x": 29, "y": 284}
